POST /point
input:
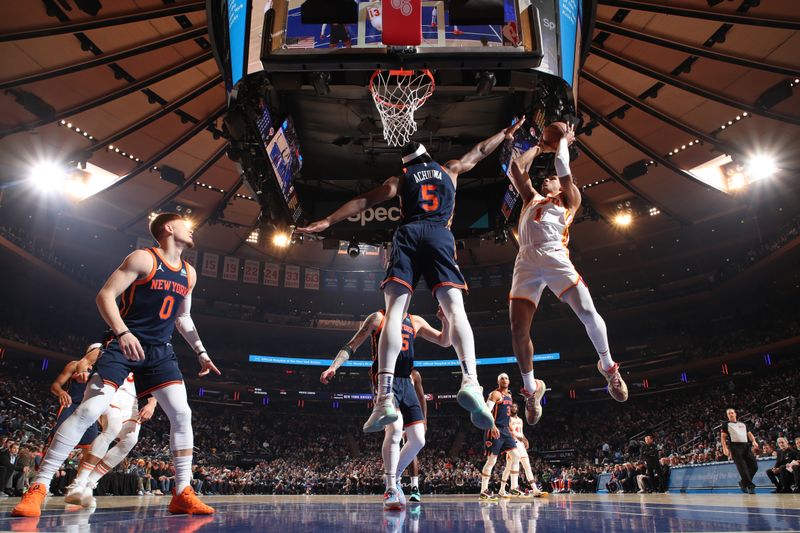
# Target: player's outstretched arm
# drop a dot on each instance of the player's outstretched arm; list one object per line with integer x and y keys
{"x": 491, "y": 401}
{"x": 481, "y": 150}
{"x": 430, "y": 334}
{"x": 520, "y": 178}
{"x": 57, "y": 387}
{"x": 569, "y": 190}
{"x": 137, "y": 265}
{"x": 370, "y": 324}
{"x": 386, "y": 191}
{"x": 188, "y": 330}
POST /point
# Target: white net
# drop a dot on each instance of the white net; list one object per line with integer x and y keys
{"x": 397, "y": 95}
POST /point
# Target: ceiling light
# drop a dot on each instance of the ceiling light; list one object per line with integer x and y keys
{"x": 47, "y": 176}
{"x": 281, "y": 240}
{"x": 761, "y": 166}
{"x": 623, "y": 219}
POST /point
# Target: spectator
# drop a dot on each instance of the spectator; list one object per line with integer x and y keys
{"x": 778, "y": 474}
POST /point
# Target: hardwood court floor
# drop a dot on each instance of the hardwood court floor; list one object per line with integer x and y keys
{"x": 572, "y": 513}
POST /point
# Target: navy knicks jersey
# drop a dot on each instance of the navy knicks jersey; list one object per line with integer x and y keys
{"x": 427, "y": 194}
{"x": 405, "y": 361}
{"x": 502, "y": 410}
{"x": 150, "y": 305}
{"x": 76, "y": 390}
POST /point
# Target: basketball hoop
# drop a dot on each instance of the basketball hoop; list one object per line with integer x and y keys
{"x": 397, "y": 95}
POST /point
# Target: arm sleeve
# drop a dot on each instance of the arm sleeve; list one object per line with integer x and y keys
{"x": 186, "y": 326}
{"x": 562, "y": 159}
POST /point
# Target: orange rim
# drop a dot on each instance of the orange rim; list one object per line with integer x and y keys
{"x": 401, "y": 72}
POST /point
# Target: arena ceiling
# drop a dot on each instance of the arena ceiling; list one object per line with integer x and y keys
{"x": 139, "y": 76}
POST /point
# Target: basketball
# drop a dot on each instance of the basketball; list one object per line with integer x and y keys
{"x": 552, "y": 134}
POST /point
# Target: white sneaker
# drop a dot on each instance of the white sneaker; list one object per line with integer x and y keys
{"x": 400, "y": 494}
{"x": 470, "y": 397}
{"x": 87, "y": 496}
{"x": 533, "y": 402}
{"x": 74, "y": 493}
{"x": 382, "y": 415}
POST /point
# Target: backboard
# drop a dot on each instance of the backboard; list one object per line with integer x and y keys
{"x": 284, "y": 43}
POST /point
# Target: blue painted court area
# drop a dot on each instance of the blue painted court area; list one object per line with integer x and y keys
{"x": 293, "y": 514}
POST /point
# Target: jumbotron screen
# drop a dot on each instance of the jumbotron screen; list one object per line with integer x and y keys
{"x": 283, "y": 152}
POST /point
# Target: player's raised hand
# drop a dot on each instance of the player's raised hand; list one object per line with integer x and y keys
{"x": 570, "y": 134}
{"x": 130, "y": 346}
{"x": 206, "y": 365}
{"x": 327, "y": 375}
{"x": 315, "y": 227}
{"x": 513, "y": 128}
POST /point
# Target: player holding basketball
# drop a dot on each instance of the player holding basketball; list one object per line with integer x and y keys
{"x": 543, "y": 260}
{"x": 498, "y": 438}
{"x": 424, "y": 246}
{"x": 412, "y": 417}
{"x": 512, "y": 465}
{"x": 122, "y": 422}
{"x": 155, "y": 286}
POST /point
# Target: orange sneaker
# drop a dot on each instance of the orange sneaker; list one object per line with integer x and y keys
{"x": 187, "y": 502}
{"x": 31, "y": 502}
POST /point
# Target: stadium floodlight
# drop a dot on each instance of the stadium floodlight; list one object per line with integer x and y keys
{"x": 761, "y": 166}
{"x": 281, "y": 240}
{"x": 48, "y": 176}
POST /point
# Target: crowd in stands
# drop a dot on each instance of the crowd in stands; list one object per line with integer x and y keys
{"x": 261, "y": 450}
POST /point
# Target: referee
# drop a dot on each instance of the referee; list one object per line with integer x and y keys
{"x": 739, "y": 451}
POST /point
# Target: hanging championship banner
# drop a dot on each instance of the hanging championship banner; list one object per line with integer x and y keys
{"x": 250, "y": 271}
{"x": 271, "y": 274}
{"x": 141, "y": 242}
{"x": 312, "y": 279}
{"x": 291, "y": 278}
{"x": 230, "y": 270}
{"x": 190, "y": 256}
{"x": 210, "y": 264}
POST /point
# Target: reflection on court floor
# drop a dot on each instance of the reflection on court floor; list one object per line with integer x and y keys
{"x": 291, "y": 514}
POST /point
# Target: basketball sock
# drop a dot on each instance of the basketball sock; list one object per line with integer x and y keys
{"x": 526, "y": 464}
{"x": 515, "y": 480}
{"x": 183, "y": 472}
{"x": 100, "y": 470}
{"x": 128, "y": 437}
{"x": 528, "y": 381}
{"x": 415, "y": 481}
{"x": 68, "y": 435}
{"x": 452, "y": 301}
{"x": 391, "y": 451}
{"x": 415, "y": 441}
{"x": 84, "y": 470}
{"x": 391, "y": 339}
{"x": 580, "y": 300}
{"x": 486, "y": 473}
{"x": 506, "y": 472}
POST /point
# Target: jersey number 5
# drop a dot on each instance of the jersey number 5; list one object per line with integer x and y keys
{"x": 430, "y": 202}
{"x": 405, "y": 343}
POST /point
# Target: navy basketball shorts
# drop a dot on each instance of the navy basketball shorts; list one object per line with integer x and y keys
{"x": 503, "y": 443}
{"x": 91, "y": 432}
{"x": 159, "y": 368}
{"x": 406, "y": 399}
{"x": 427, "y": 251}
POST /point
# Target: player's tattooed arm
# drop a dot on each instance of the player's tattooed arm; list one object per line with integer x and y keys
{"x": 481, "y": 150}
{"x": 520, "y": 178}
{"x": 369, "y": 325}
{"x": 386, "y": 191}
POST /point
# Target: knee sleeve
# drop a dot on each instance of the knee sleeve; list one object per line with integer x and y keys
{"x": 490, "y": 462}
